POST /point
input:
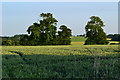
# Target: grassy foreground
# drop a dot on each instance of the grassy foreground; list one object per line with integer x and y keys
{"x": 73, "y": 61}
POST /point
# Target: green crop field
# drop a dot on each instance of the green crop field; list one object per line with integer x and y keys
{"x": 73, "y": 61}
{"x": 68, "y": 61}
{"x": 78, "y": 39}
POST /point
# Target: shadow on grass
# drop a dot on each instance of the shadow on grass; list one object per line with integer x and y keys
{"x": 57, "y": 66}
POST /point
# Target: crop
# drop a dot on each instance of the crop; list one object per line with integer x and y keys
{"x": 98, "y": 61}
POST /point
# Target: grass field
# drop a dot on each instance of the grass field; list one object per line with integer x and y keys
{"x": 71, "y": 61}
{"x": 78, "y": 39}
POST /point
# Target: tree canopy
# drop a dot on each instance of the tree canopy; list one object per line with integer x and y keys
{"x": 44, "y": 32}
{"x": 64, "y": 35}
{"x": 94, "y": 32}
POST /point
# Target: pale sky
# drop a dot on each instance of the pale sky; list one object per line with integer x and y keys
{"x": 17, "y": 16}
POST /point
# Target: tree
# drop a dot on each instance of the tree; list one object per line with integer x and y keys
{"x": 19, "y": 39}
{"x": 48, "y": 28}
{"x": 116, "y": 37}
{"x": 24, "y": 40}
{"x": 64, "y": 35}
{"x": 110, "y": 35}
{"x": 7, "y": 42}
{"x": 44, "y": 32}
{"x": 34, "y": 31}
{"x": 94, "y": 32}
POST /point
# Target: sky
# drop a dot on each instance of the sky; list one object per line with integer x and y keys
{"x": 18, "y": 16}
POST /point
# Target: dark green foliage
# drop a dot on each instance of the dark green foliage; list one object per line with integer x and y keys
{"x": 34, "y": 32}
{"x": 16, "y": 40}
{"x": 110, "y": 35}
{"x": 116, "y": 37}
{"x": 44, "y": 33}
{"x": 64, "y": 35}
{"x": 48, "y": 28}
{"x": 24, "y": 40}
{"x": 0, "y": 41}
{"x": 94, "y": 32}
{"x": 7, "y": 41}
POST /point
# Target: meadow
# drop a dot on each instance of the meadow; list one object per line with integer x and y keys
{"x": 65, "y": 61}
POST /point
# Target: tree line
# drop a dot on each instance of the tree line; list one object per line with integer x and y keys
{"x": 114, "y": 37}
{"x": 42, "y": 33}
{"x": 45, "y": 33}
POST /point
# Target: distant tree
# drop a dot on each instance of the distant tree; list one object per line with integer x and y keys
{"x": 110, "y": 35}
{"x": 81, "y": 35}
{"x": 16, "y": 39}
{"x": 24, "y": 40}
{"x": 116, "y": 37}
{"x": 64, "y": 35}
{"x": 7, "y": 42}
{"x": 94, "y": 32}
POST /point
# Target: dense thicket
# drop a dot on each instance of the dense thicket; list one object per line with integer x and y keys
{"x": 42, "y": 33}
{"x": 94, "y": 32}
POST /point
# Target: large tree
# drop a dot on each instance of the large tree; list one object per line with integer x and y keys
{"x": 44, "y": 32}
{"x": 48, "y": 28}
{"x": 94, "y": 32}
